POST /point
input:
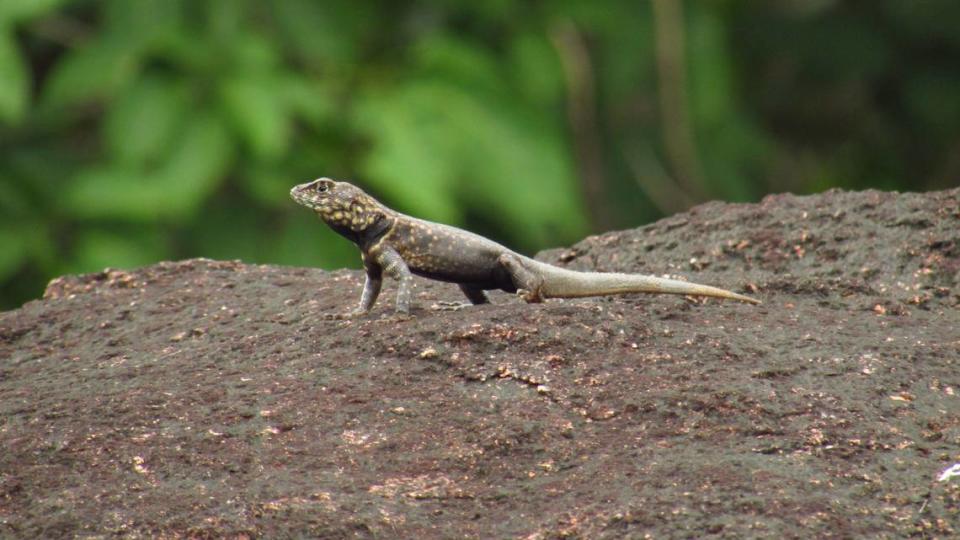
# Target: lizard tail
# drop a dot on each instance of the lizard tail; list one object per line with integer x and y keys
{"x": 563, "y": 283}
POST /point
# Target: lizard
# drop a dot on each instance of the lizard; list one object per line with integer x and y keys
{"x": 400, "y": 246}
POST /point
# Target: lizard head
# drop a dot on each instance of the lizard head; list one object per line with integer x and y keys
{"x": 342, "y": 205}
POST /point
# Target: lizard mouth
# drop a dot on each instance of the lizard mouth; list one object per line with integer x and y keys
{"x": 300, "y": 194}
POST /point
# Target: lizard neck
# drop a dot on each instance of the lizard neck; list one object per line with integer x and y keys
{"x": 368, "y": 236}
{"x": 372, "y": 234}
{"x": 356, "y": 216}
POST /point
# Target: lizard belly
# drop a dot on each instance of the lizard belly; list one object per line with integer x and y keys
{"x": 457, "y": 270}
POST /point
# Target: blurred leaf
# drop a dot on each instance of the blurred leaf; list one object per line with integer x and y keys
{"x": 224, "y": 19}
{"x": 220, "y": 233}
{"x": 100, "y": 67}
{"x": 931, "y": 97}
{"x": 188, "y": 53}
{"x": 482, "y": 150}
{"x": 519, "y": 166}
{"x": 112, "y": 191}
{"x": 711, "y": 70}
{"x": 259, "y": 114}
{"x": 94, "y": 70}
{"x": 310, "y": 99}
{"x": 482, "y": 145}
{"x": 197, "y": 164}
{"x": 142, "y": 122}
{"x": 193, "y": 169}
{"x": 407, "y": 152}
{"x": 13, "y": 204}
{"x": 732, "y": 150}
{"x": 255, "y": 56}
{"x": 306, "y": 241}
{"x": 455, "y": 59}
{"x": 20, "y": 10}
{"x": 14, "y": 85}
{"x": 536, "y": 69}
{"x": 138, "y": 23}
{"x": 96, "y": 249}
{"x": 927, "y": 21}
{"x": 32, "y": 177}
{"x": 838, "y": 48}
{"x": 625, "y": 55}
{"x": 324, "y": 31}
{"x": 13, "y": 249}
{"x": 268, "y": 185}
{"x": 598, "y": 17}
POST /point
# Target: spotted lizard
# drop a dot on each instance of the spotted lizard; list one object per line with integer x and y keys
{"x": 399, "y": 246}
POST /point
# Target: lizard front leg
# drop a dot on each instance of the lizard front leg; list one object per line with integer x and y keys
{"x": 527, "y": 283}
{"x": 371, "y": 290}
{"x": 395, "y": 267}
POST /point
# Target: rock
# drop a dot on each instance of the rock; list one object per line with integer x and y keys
{"x": 209, "y": 399}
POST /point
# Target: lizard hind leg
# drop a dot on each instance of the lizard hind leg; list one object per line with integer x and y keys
{"x": 475, "y": 295}
{"x": 527, "y": 283}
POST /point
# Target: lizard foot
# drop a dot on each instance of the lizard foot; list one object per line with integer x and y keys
{"x": 530, "y": 297}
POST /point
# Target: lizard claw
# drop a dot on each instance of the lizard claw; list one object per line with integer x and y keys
{"x": 530, "y": 297}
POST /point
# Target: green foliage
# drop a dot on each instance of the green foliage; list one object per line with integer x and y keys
{"x": 501, "y": 147}
{"x": 13, "y": 11}
{"x": 138, "y": 130}
{"x": 733, "y": 144}
{"x": 193, "y": 168}
{"x": 13, "y": 92}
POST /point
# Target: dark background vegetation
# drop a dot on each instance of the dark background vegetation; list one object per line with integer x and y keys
{"x": 133, "y": 131}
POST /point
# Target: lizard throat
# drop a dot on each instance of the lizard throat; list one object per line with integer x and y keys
{"x": 365, "y": 228}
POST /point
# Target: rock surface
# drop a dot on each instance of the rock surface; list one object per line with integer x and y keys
{"x": 206, "y": 399}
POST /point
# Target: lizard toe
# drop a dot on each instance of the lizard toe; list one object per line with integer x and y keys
{"x": 528, "y": 296}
